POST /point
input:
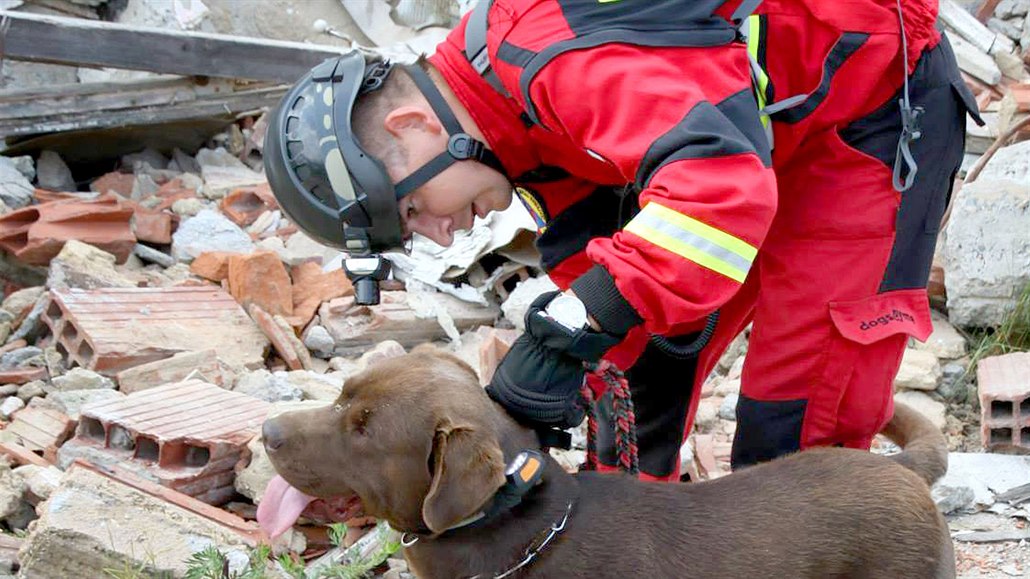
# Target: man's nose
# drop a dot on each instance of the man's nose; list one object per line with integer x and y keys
{"x": 272, "y": 435}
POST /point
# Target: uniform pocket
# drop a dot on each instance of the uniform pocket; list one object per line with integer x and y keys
{"x": 872, "y": 333}
{"x": 874, "y": 318}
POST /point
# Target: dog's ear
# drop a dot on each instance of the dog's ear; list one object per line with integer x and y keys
{"x": 468, "y": 468}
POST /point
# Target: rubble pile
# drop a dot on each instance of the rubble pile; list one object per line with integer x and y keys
{"x": 155, "y": 312}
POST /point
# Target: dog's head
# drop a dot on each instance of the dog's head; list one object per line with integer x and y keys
{"x": 415, "y": 438}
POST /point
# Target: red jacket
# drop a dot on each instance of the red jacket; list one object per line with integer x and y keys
{"x": 658, "y": 94}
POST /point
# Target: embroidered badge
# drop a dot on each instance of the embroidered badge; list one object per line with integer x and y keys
{"x": 535, "y": 207}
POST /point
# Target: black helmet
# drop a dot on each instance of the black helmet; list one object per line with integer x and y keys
{"x": 324, "y": 181}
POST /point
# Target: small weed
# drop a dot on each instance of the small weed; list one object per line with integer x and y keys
{"x": 337, "y": 532}
{"x": 1013, "y": 335}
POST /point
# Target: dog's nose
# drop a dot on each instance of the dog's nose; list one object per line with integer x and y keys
{"x": 272, "y": 435}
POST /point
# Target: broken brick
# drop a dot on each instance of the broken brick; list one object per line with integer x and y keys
{"x": 152, "y": 226}
{"x": 42, "y": 430}
{"x": 186, "y": 435}
{"x": 43, "y": 196}
{"x": 244, "y": 205}
{"x": 36, "y": 234}
{"x": 111, "y": 519}
{"x": 1004, "y": 386}
{"x": 18, "y": 454}
{"x": 492, "y": 350}
{"x": 173, "y": 191}
{"x": 312, "y": 287}
{"x": 22, "y": 375}
{"x": 109, "y": 330}
{"x": 280, "y": 337}
{"x": 212, "y": 265}
{"x": 120, "y": 183}
{"x": 260, "y": 278}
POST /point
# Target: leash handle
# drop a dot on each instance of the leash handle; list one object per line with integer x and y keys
{"x": 625, "y": 418}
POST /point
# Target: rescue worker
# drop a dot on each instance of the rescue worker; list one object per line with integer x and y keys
{"x": 693, "y": 167}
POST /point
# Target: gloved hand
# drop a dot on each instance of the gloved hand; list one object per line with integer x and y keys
{"x": 539, "y": 380}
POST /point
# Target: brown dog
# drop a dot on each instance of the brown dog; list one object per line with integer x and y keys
{"x": 423, "y": 447}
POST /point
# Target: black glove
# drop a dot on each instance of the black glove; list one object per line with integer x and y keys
{"x": 539, "y": 380}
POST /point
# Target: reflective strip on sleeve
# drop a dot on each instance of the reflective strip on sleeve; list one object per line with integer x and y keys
{"x": 693, "y": 240}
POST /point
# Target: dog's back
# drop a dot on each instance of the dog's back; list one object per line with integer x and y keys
{"x": 925, "y": 452}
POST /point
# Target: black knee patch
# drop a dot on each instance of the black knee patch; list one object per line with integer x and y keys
{"x": 766, "y": 430}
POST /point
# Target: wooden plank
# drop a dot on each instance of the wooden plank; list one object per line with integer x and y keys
{"x": 72, "y": 41}
{"x": 226, "y": 106}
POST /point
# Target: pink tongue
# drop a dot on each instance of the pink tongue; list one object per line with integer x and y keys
{"x": 281, "y": 506}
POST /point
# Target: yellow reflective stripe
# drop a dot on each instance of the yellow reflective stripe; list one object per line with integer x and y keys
{"x": 754, "y": 35}
{"x": 689, "y": 238}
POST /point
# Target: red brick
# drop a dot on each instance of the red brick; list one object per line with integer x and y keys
{"x": 109, "y": 330}
{"x": 189, "y": 435}
{"x": 212, "y": 265}
{"x": 21, "y": 455}
{"x": 15, "y": 344}
{"x": 152, "y": 226}
{"x": 42, "y": 429}
{"x": 120, "y": 183}
{"x": 243, "y": 206}
{"x": 281, "y": 342}
{"x": 22, "y": 375}
{"x": 37, "y": 233}
{"x": 260, "y": 278}
{"x": 44, "y": 196}
{"x": 173, "y": 191}
{"x": 1004, "y": 386}
{"x": 312, "y": 287}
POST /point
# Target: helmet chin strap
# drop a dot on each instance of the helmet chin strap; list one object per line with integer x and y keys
{"x": 461, "y": 146}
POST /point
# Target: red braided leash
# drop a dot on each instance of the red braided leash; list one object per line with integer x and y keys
{"x": 625, "y": 418}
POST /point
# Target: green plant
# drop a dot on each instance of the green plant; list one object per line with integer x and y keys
{"x": 337, "y": 532}
{"x": 1013, "y": 335}
{"x": 213, "y": 564}
{"x": 292, "y": 567}
{"x": 207, "y": 564}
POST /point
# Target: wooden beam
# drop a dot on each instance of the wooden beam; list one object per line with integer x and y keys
{"x": 77, "y": 42}
{"x": 96, "y": 106}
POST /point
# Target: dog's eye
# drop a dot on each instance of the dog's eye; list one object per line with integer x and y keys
{"x": 361, "y": 421}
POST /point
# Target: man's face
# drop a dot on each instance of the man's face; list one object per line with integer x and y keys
{"x": 450, "y": 201}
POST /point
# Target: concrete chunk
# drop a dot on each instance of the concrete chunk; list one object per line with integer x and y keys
{"x": 94, "y": 522}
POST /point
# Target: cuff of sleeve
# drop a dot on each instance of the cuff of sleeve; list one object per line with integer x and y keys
{"x": 596, "y": 289}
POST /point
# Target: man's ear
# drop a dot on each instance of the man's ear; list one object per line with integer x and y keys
{"x": 468, "y": 468}
{"x": 408, "y": 117}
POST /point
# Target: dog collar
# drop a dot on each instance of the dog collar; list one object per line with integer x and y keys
{"x": 522, "y": 474}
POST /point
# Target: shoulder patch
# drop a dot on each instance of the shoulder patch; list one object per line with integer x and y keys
{"x": 535, "y": 207}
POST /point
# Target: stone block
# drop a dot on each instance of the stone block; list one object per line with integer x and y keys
{"x": 919, "y": 370}
{"x": 94, "y": 522}
{"x": 201, "y": 364}
{"x": 987, "y": 249}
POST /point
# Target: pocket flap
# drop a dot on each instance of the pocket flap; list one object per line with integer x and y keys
{"x": 874, "y": 318}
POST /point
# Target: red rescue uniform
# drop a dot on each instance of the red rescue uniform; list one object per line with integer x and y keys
{"x": 636, "y": 131}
